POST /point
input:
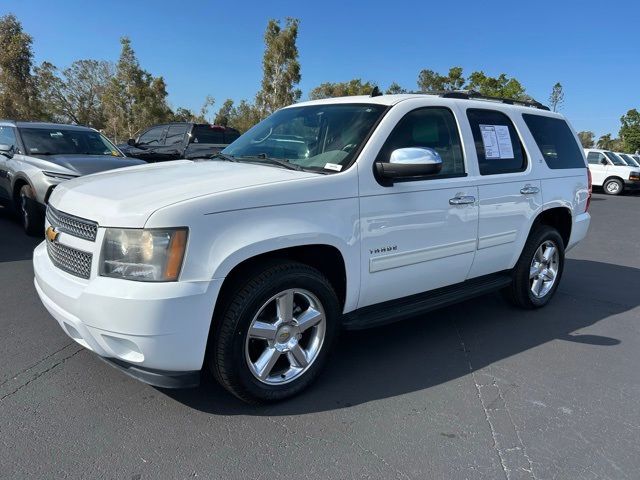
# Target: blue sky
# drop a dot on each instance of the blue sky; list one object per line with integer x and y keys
{"x": 210, "y": 47}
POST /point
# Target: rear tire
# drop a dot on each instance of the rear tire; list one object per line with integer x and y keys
{"x": 285, "y": 352}
{"x": 29, "y": 212}
{"x": 613, "y": 186}
{"x": 538, "y": 271}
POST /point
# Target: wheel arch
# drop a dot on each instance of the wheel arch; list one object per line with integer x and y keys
{"x": 18, "y": 182}
{"x": 559, "y": 218}
{"x": 325, "y": 257}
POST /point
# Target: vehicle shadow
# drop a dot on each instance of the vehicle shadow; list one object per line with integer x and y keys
{"x": 439, "y": 347}
{"x": 15, "y": 245}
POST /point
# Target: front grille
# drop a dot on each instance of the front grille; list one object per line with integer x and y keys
{"x": 73, "y": 261}
{"x": 76, "y": 226}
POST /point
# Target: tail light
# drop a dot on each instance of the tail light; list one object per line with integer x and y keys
{"x": 590, "y": 190}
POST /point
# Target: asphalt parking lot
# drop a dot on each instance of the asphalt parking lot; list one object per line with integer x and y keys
{"x": 478, "y": 390}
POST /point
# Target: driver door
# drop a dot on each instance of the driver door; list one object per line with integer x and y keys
{"x": 417, "y": 235}
{"x": 7, "y": 137}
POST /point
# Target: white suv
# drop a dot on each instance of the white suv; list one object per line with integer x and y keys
{"x": 611, "y": 172}
{"x": 340, "y": 213}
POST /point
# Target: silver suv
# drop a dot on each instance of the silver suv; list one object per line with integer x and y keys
{"x": 35, "y": 157}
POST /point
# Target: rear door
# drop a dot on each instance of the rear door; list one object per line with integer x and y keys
{"x": 509, "y": 192}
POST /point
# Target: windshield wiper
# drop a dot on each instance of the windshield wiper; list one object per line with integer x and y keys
{"x": 222, "y": 156}
{"x": 263, "y": 158}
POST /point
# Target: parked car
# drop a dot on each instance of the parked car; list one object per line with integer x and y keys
{"x": 173, "y": 141}
{"x": 35, "y": 157}
{"x": 249, "y": 264}
{"x": 611, "y": 172}
{"x": 630, "y": 160}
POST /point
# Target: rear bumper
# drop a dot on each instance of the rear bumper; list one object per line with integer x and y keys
{"x": 579, "y": 229}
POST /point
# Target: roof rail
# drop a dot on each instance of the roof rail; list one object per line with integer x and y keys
{"x": 474, "y": 95}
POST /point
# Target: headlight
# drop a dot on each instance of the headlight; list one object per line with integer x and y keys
{"x": 153, "y": 255}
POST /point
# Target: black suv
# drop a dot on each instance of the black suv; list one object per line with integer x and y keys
{"x": 172, "y": 141}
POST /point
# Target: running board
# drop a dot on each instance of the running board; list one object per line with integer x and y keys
{"x": 403, "y": 308}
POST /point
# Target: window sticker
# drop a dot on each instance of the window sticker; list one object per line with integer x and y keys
{"x": 333, "y": 166}
{"x": 497, "y": 141}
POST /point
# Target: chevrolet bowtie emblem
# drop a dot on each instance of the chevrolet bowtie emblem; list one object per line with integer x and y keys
{"x": 51, "y": 234}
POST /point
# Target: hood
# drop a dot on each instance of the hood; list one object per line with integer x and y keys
{"x": 88, "y": 164}
{"x": 126, "y": 198}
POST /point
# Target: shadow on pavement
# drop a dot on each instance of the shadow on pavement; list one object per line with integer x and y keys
{"x": 15, "y": 245}
{"x": 416, "y": 354}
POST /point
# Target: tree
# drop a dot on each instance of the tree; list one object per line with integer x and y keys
{"x": 587, "y": 139}
{"x": 244, "y": 116}
{"x": 224, "y": 114}
{"x": 394, "y": 89}
{"x": 605, "y": 142}
{"x": 341, "y": 89}
{"x": 430, "y": 81}
{"x": 281, "y": 68}
{"x": 556, "y": 99}
{"x": 134, "y": 99}
{"x": 630, "y": 131}
{"x": 18, "y": 99}
{"x": 500, "y": 86}
{"x": 76, "y": 94}
{"x": 208, "y": 103}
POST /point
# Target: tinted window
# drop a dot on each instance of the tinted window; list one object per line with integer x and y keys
{"x": 497, "y": 143}
{"x": 207, "y": 134}
{"x": 616, "y": 160}
{"x": 61, "y": 141}
{"x": 629, "y": 160}
{"x": 431, "y": 128}
{"x": 555, "y": 140}
{"x": 152, "y": 137}
{"x": 595, "y": 158}
{"x": 8, "y": 136}
{"x": 175, "y": 134}
{"x": 230, "y": 135}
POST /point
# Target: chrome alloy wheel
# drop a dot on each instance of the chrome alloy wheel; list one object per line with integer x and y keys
{"x": 285, "y": 337}
{"x": 544, "y": 269}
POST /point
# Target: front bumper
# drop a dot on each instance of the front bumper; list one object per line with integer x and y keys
{"x": 632, "y": 185}
{"x": 156, "y": 332}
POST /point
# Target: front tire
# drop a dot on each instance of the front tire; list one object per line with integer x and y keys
{"x": 274, "y": 332}
{"x": 537, "y": 274}
{"x": 29, "y": 212}
{"x": 613, "y": 186}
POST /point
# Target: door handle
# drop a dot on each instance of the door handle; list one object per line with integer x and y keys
{"x": 462, "y": 200}
{"x": 529, "y": 190}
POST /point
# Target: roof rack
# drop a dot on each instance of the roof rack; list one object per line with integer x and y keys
{"x": 474, "y": 95}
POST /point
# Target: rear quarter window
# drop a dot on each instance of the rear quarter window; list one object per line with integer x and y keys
{"x": 555, "y": 141}
{"x": 206, "y": 134}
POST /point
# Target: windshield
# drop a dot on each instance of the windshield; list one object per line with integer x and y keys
{"x": 60, "y": 141}
{"x": 616, "y": 160}
{"x": 629, "y": 159}
{"x": 316, "y": 137}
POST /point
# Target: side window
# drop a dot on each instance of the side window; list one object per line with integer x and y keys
{"x": 555, "y": 141}
{"x": 8, "y": 136}
{"x": 230, "y": 135}
{"x": 175, "y": 134}
{"x": 594, "y": 158}
{"x": 207, "y": 134}
{"x": 430, "y": 127}
{"x": 497, "y": 143}
{"x": 152, "y": 137}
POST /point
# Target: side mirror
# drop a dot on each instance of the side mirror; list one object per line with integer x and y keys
{"x": 7, "y": 150}
{"x": 409, "y": 163}
{"x": 603, "y": 161}
{"x": 131, "y": 142}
